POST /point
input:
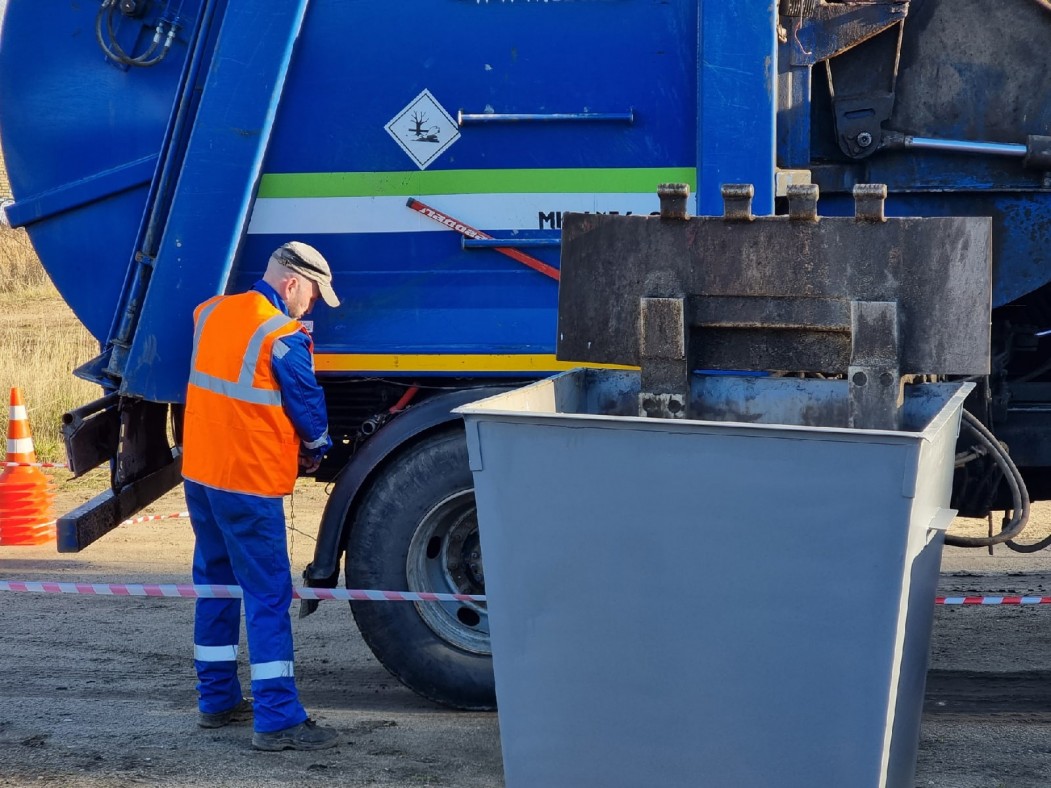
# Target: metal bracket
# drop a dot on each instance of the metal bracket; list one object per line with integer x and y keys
{"x": 871, "y": 297}
{"x": 833, "y": 28}
{"x": 663, "y": 342}
{"x": 143, "y": 441}
{"x": 132, "y": 435}
{"x": 91, "y": 433}
{"x": 106, "y": 511}
{"x": 866, "y": 51}
{"x": 859, "y": 122}
{"x": 874, "y": 374}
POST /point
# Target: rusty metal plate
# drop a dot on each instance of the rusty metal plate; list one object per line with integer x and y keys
{"x": 774, "y": 293}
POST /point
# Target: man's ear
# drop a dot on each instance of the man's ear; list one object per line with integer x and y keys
{"x": 291, "y": 286}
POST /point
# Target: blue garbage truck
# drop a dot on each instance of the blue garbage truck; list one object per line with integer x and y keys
{"x": 159, "y": 150}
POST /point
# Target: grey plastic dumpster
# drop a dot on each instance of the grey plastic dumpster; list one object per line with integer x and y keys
{"x": 740, "y": 600}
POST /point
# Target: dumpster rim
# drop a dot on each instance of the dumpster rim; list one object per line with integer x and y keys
{"x": 478, "y": 410}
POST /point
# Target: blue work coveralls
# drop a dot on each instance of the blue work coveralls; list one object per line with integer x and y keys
{"x": 240, "y": 540}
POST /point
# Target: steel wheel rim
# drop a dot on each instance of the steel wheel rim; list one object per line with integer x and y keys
{"x": 444, "y": 557}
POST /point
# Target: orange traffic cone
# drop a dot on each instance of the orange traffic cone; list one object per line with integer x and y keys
{"x": 27, "y": 494}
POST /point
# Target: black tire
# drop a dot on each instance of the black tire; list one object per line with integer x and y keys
{"x": 414, "y": 522}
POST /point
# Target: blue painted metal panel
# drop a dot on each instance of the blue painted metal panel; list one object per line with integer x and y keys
{"x": 67, "y": 116}
{"x": 793, "y": 116}
{"x": 737, "y": 102}
{"x": 479, "y": 302}
{"x": 500, "y": 57}
{"x": 78, "y": 193}
{"x": 216, "y": 186}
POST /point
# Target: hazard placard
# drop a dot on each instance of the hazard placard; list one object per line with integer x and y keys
{"x": 423, "y": 129}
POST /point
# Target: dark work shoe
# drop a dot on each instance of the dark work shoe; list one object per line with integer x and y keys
{"x": 306, "y": 735}
{"x": 242, "y": 712}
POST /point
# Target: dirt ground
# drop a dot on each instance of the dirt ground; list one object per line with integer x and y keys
{"x": 99, "y": 691}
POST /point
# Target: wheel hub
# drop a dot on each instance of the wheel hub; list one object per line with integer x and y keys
{"x": 445, "y": 557}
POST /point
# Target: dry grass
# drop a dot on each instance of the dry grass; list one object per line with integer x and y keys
{"x": 41, "y": 341}
{"x": 20, "y": 272}
{"x": 21, "y": 275}
{"x": 39, "y": 347}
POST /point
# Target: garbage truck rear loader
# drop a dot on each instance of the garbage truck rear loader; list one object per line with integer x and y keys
{"x": 159, "y": 150}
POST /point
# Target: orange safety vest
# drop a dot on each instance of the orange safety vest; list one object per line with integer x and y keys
{"x": 236, "y": 435}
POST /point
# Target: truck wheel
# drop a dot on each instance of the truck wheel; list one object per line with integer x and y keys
{"x": 416, "y": 529}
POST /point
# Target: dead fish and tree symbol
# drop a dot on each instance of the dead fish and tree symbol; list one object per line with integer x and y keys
{"x": 420, "y": 131}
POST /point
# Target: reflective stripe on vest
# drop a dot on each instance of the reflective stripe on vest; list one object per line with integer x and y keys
{"x": 236, "y": 434}
{"x": 241, "y": 389}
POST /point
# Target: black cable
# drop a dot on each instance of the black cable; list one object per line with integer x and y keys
{"x": 113, "y": 50}
{"x": 112, "y": 31}
{"x": 1019, "y": 494}
{"x": 98, "y": 32}
{"x": 1029, "y": 548}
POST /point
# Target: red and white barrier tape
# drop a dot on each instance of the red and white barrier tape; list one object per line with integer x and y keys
{"x": 34, "y": 465}
{"x": 186, "y": 591}
{"x": 993, "y": 600}
{"x": 224, "y": 592}
{"x": 149, "y": 518}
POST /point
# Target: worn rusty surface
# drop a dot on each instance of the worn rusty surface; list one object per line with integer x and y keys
{"x": 773, "y": 293}
{"x": 663, "y": 352}
{"x": 874, "y": 374}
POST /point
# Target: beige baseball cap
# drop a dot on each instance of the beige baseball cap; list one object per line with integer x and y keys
{"x": 309, "y": 262}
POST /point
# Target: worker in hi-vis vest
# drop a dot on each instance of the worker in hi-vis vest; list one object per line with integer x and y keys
{"x": 255, "y": 415}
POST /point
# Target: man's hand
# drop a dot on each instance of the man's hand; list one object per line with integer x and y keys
{"x": 308, "y": 464}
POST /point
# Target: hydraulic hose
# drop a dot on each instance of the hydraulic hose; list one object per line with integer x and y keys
{"x": 1019, "y": 495}
{"x": 113, "y": 50}
{"x": 370, "y": 426}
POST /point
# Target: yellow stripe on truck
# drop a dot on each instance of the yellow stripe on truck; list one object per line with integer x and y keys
{"x": 458, "y": 363}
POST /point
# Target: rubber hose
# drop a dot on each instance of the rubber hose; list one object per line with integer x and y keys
{"x": 1019, "y": 494}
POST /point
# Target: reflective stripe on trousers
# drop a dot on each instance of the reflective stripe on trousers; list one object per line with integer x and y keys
{"x": 240, "y": 540}
{"x": 215, "y": 653}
